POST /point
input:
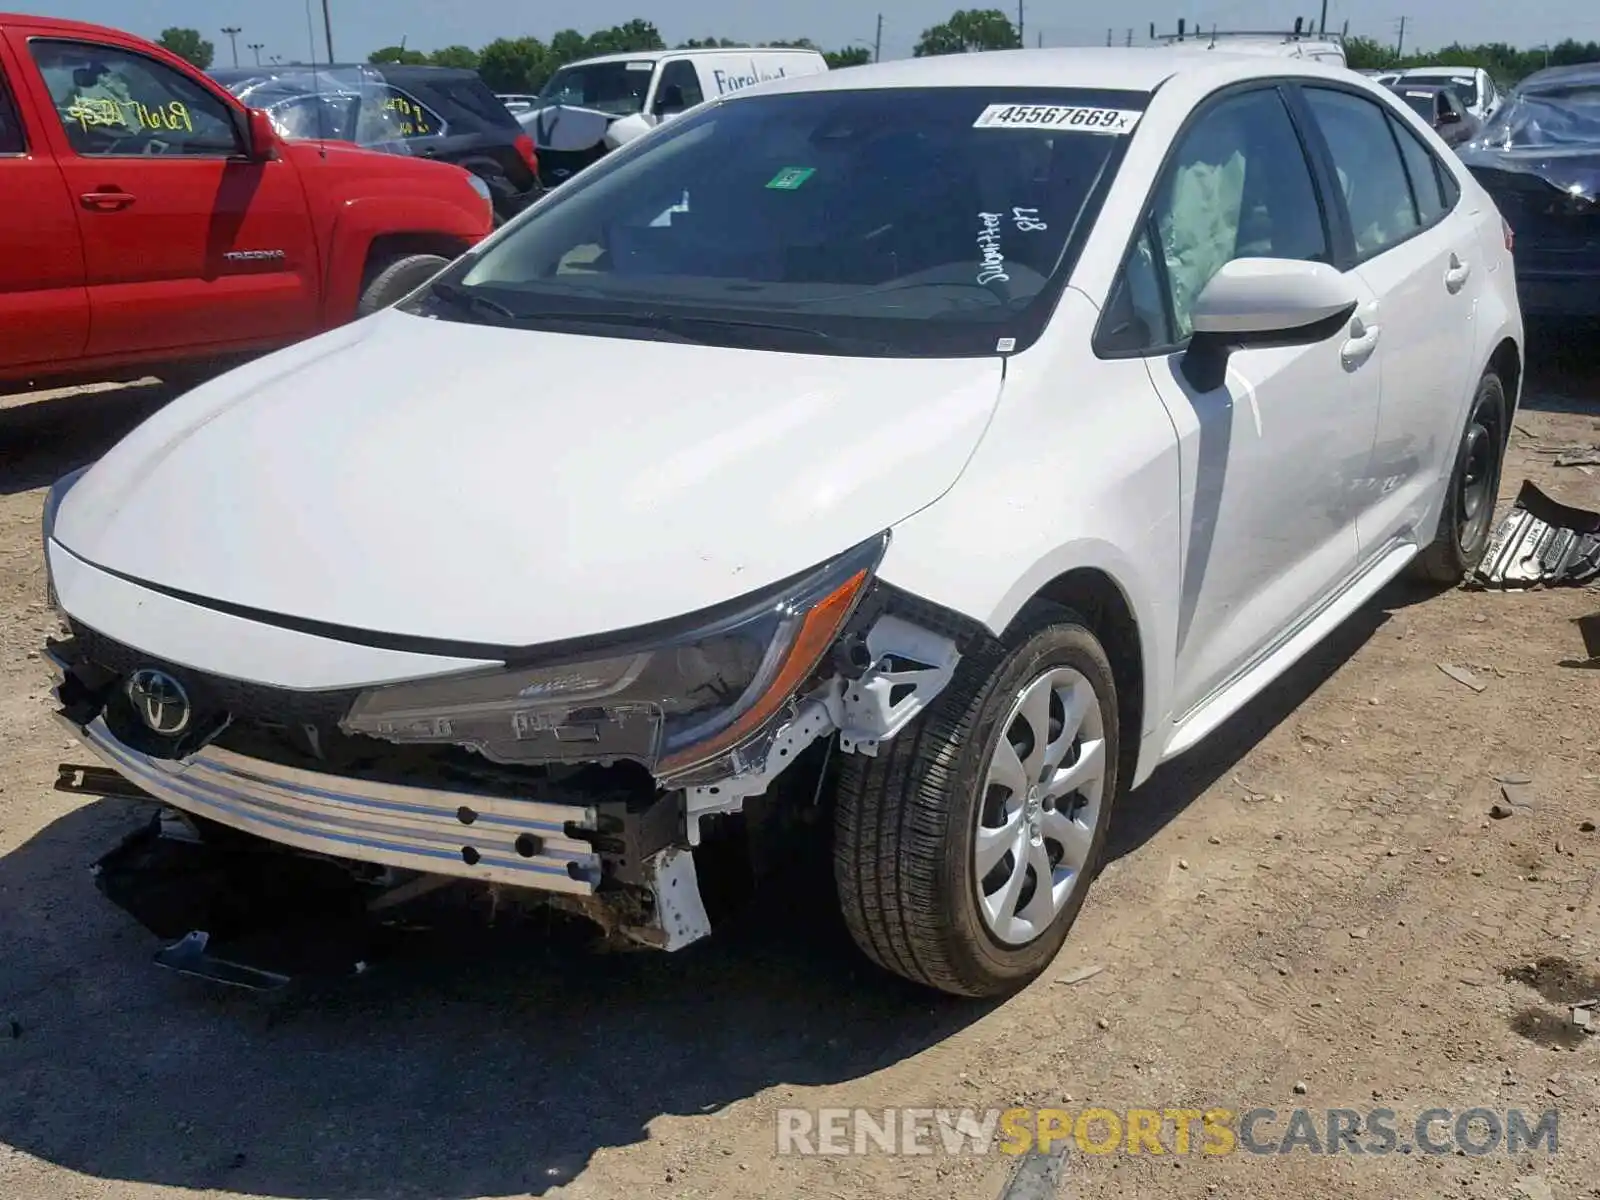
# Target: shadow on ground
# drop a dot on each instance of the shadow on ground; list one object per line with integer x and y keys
{"x": 49, "y": 434}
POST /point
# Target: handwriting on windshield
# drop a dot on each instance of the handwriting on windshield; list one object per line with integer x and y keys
{"x": 101, "y": 112}
{"x": 991, "y": 261}
{"x": 1027, "y": 220}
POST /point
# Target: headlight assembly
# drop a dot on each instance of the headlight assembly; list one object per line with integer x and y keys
{"x": 675, "y": 700}
{"x": 482, "y": 188}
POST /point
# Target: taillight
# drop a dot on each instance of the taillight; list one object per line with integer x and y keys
{"x": 1510, "y": 235}
{"x": 524, "y": 145}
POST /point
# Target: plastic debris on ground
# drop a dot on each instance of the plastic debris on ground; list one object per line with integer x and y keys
{"x": 1541, "y": 543}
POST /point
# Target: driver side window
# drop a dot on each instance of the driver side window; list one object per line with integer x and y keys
{"x": 114, "y": 102}
{"x": 678, "y": 88}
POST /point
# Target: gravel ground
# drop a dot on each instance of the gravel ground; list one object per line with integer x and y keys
{"x": 1315, "y": 909}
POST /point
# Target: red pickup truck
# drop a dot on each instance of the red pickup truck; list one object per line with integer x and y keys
{"x": 150, "y": 219}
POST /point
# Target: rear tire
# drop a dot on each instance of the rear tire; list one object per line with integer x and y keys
{"x": 938, "y": 859}
{"x": 1467, "y": 521}
{"x": 397, "y": 278}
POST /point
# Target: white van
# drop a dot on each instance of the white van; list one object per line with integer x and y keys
{"x": 591, "y": 107}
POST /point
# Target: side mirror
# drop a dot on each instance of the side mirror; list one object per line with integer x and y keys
{"x": 670, "y": 101}
{"x": 263, "y": 136}
{"x": 1263, "y": 302}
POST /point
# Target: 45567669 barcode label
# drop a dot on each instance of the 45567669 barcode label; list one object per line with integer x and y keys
{"x": 1057, "y": 116}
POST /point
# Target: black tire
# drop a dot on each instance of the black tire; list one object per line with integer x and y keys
{"x": 396, "y": 278}
{"x": 906, "y": 821}
{"x": 1467, "y": 521}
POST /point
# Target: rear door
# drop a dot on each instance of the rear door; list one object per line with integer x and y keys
{"x": 1420, "y": 256}
{"x": 187, "y": 244}
{"x": 44, "y": 306}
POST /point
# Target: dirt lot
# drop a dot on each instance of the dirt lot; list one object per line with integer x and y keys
{"x": 1313, "y": 910}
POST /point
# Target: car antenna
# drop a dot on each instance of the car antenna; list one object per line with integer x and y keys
{"x": 316, "y": 82}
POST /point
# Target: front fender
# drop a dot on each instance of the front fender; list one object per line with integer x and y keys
{"x": 362, "y": 221}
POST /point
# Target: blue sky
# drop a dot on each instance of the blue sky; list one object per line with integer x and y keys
{"x": 360, "y": 26}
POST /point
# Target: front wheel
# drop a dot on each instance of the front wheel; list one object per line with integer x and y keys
{"x": 397, "y": 278}
{"x": 964, "y": 851}
{"x": 1467, "y": 521}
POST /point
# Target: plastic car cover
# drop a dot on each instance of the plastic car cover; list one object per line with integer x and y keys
{"x": 1552, "y": 131}
{"x": 343, "y": 104}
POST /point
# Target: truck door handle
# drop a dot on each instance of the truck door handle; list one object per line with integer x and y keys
{"x": 1358, "y": 347}
{"x": 106, "y": 200}
{"x": 1456, "y": 277}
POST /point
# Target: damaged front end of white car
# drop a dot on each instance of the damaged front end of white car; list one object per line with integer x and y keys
{"x": 586, "y": 776}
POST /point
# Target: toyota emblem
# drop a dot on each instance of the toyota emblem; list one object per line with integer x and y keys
{"x": 160, "y": 701}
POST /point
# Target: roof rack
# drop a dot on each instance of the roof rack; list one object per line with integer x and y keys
{"x": 1304, "y": 30}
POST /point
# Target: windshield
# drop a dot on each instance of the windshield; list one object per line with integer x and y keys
{"x": 912, "y": 222}
{"x": 1549, "y": 118}
{"x": 1464, "y": 86}
{"x": 617, "y": 88}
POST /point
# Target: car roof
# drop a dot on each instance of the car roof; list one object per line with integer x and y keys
{"x": 699, "y": 51}
{"x": 1139, "y": 69}
{"x": 1561, "y": 77}
{"x": 1401, "y": 85}
{"x": 1438, "y": 72}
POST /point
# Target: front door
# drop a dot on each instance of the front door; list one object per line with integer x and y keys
{"x": 44, "y": 309}
{"x": 186, "y": 242}
{"x": 1269, "y": 459}
{"x": 1423, "y": 267}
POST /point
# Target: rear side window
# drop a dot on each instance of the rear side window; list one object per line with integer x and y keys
{"x": 1423, "y": 171}
{"x": 1372, "y": 175}
{"x": 389, "y": 115}
{"x": 11, "y": 139}
{"x": 113, "y": 102}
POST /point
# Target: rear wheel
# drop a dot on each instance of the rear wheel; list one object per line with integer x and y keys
{"x": 395, "y": 278}
{"x": 964, "y": 851}
{"x": 1467, "y": 521}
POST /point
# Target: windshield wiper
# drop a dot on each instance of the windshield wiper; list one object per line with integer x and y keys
{"x": 467, "y": 300}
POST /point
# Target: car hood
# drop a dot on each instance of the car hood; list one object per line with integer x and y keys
{"x": 443, "y": 480}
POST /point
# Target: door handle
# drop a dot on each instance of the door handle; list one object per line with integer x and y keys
{"x": 1358, "y": 347}
{"x": 1455, "y": 278}
{"x": 106, "y": 200}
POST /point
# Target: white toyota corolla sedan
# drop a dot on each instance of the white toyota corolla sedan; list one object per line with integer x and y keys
{"x": 936, "y": 447}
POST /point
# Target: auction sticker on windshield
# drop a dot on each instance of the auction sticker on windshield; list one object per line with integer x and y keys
{"x": 1057, "y": 116}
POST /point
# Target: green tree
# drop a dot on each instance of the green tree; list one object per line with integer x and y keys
{"x": 1367, "y": 54}
{"x": 968, "y": 30}
{"x": 624, "y": 39}
{"x": 797, "y": 44}
{"x": 455, "y": 56}
{"x": 398, "y": 54}
{"x": 515, "y": 64}
{"x": 568, "y": 46}
{"x": 188, "y": 45}
{"x": 711, "y": 44}
{"x": 850, "y": 56}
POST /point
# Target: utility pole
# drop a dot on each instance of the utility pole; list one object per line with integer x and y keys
{"x": 1400, "y": 43}
{"x": 877, "y": 42}
{"x": 1129, "y": 40}
{"x": 1021, "y": 41}
{"x": 1322, "y": 22}
{"x": 327, "y": 28}
{"x": 256, "y": 48}
{"x": 233, "y": 32}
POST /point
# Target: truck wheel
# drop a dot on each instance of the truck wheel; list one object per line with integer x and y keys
{"x": 964, "y": 850}
{"x": 1468, "y": 517}
{"x": 399, "y": 277}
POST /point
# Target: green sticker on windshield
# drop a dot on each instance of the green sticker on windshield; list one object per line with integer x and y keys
{"x": 790, "y": 178}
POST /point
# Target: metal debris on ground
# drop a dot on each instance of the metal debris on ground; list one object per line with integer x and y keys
{"x": 1541, "y": 543}
{"x": 1463, "y": 676}
{"x": 1587, "y": 456}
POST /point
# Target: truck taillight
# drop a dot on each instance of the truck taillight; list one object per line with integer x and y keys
{"x": 524, "y": 145}
{"x": 1510, "y": 235}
